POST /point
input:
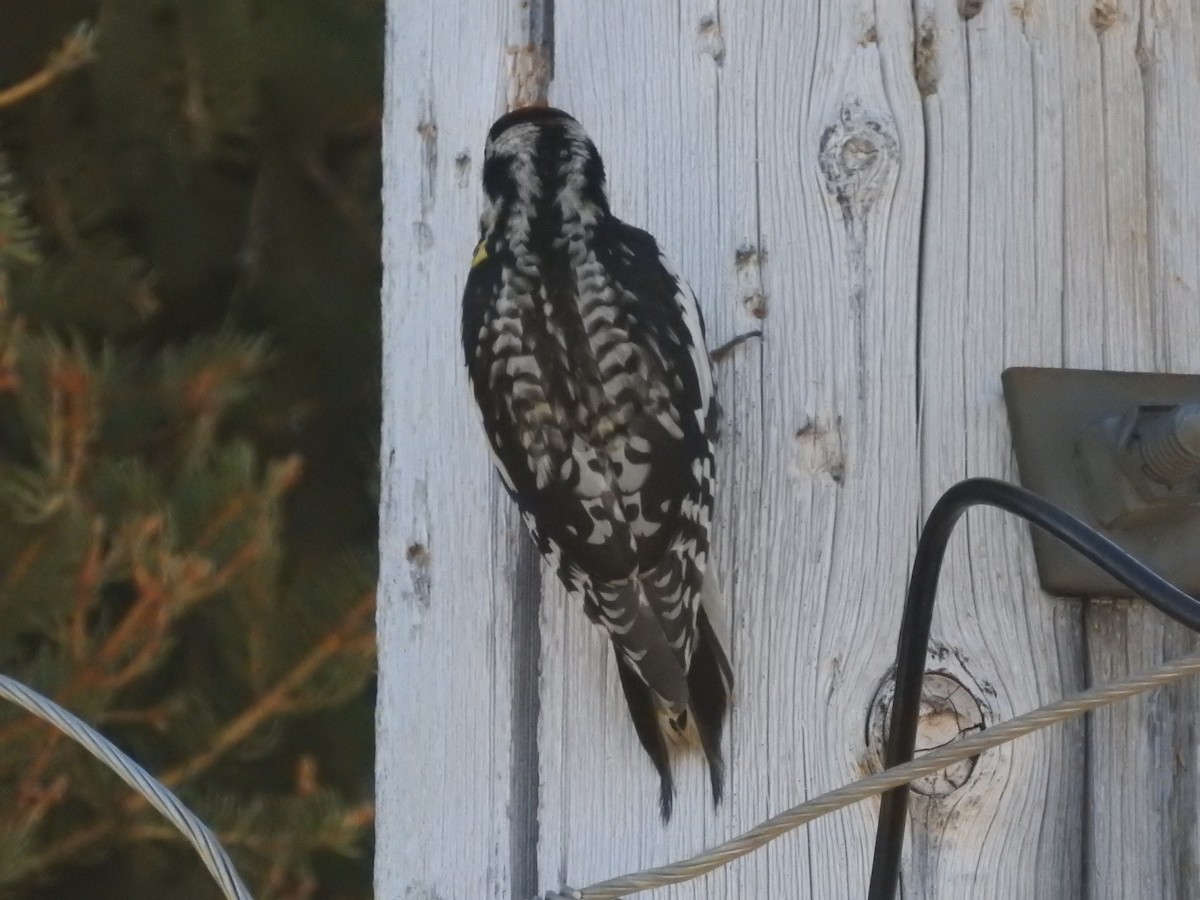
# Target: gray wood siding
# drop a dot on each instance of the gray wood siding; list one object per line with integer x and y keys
{"x": 907, "y": 197}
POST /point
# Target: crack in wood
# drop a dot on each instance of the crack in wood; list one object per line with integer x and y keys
{"x": 526, "y": 713}
{"x": 531, "y": 70}
{"x": 925, "y": 64}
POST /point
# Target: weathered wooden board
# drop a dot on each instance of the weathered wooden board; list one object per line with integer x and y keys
{"x": 907, "y": 198}
{"x": 994, "y": 252}
{"x": 735, "y": 130}
{"x": 447, "y": 722}
{"x": 1144, "y": 758}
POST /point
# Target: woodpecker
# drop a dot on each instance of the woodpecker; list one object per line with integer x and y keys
{"x": 586, "y": 354}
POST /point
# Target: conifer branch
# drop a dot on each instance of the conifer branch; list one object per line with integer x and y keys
{"x": 265, "y": 842}
{"x": 133, "y": 493}
{"x": 24, "y": 562}
{"x": 347, "y": 636}
{"x": 62, "y": 850}
{"x": 29, "y": 787}
{"x": 278, "y": 700}
{"x": 87, "y": 587}
{"x": 78, "y": 49}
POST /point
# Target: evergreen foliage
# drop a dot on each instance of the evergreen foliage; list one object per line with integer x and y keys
{"x": 188, "y": 407}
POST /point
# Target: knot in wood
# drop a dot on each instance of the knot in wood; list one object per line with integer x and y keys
{"x": 748, "y": 262}
{"x": 969, "y": 9}
{"x": 949, "y": 712}
{"x": 710, "y": 41}
{"x": 820, "y": 448}
{"x": 859, "y": 156}
{"x": 417, "y": 556}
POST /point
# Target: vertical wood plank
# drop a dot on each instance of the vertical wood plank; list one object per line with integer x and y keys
{"x": 628, "y": 72}
{"x": 840, "y": 221}
{"x": 1143, "y": 755}
{"x": 1000, "y": 246}
{"x": 446, "y": 726}
{"x": 776, "y": 151}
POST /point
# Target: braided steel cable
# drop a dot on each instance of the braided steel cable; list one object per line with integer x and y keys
{"x": 197, "y": 833}
{"x": 887, "y": 780}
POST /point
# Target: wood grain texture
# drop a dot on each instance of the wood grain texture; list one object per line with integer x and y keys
{"x": 1144, "y": 756}
{"x": 907, "y": 197}
{"x": 779, "y": 163}
{"x": 596, "y": 779}
{"x": 449, "y": 539}
{"x": 994, "y": 263}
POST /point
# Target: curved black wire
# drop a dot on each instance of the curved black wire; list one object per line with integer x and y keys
{"x": 918, "y": 611}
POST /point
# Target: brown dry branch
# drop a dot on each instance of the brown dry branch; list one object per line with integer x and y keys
{"x": 87, "y": 589}
{"x": 263, "y": 842}
{"x": 276, "y": 701}
{"x": 12, "y": 333}
{"x": 304, "y": 887}
{"x": 36, "y": 804}
{"x": 282, "y": 476}
{"x": 140, "y": 638}
{"x": 346, "y": 637}
{"x": 64, "y": 850}
{"x": 77, "y": 50}
{"x": 229, "y": 513}
{"x": 274, "y": 880}
{"x": 354, "y": 820}
{"x": 360, "y": 816}
{"x": 308, "y": 779}
{"x": 165, "y": 591}
{"x": 24, "y": 563}
{"x": 31, "y": 777}
{"x": 154, "y": 717}
{"x": 137, "y": 643}
{"x": 72, "y": 386}
{"x": 87, "y": 583}
{"x": 146, "y": 622}
{"x": 144, "y": 658}
{"x": 204, "y": 395}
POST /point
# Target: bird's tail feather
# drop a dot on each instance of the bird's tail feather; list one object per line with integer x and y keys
{"x": 697, "y": 715}
{"x": 644, "y": 712}
{"x": 710, "y": 685}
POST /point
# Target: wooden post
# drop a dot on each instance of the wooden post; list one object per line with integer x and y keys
{"x": 907, "y": 198}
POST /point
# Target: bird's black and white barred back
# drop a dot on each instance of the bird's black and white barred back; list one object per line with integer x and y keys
{"x": 586, "y": 353}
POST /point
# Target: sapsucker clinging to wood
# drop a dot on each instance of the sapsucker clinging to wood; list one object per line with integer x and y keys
{"x": 587, "y": 357}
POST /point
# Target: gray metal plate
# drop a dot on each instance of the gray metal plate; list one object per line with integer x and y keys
{"x": 1048, "y": 410}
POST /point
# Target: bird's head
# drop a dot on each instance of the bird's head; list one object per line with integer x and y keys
{"x": 540, "y": 155}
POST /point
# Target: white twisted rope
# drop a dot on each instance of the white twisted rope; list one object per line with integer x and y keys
{"x": 205, "y": 842}
{"x": 936, "y": 760}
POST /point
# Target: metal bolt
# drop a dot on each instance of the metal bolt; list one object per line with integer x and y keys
{"x": 1170, "y": 446}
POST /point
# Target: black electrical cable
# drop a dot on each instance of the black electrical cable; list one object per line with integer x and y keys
{"x": 913, "y": 645}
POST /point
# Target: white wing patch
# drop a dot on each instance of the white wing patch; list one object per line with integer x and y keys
{"x": 685, "y": 299}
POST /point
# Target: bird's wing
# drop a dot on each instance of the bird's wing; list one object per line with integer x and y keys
{"x": 668, "y": 498}
{"x": 528, "y": 396}
{"x": 636, "y": 514}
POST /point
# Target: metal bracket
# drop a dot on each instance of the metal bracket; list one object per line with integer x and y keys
{"x": 1120, "y": 450}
